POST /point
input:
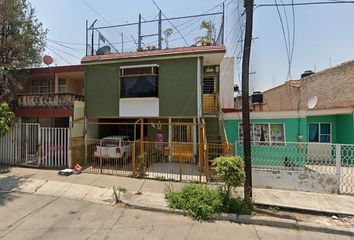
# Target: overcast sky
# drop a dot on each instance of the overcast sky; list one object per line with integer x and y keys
{"x": 324, "y": 35}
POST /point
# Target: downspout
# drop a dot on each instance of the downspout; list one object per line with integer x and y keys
{"x": 199, "y": 91}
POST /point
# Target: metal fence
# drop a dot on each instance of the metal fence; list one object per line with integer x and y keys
{"x": 159, "y": 160}
{"x": 28, "y": 144}
{"x": 336, "y": 160}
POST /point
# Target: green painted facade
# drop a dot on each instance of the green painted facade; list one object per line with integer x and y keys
{"x": 342, "y": 132}
{"x": 177, "y": 87}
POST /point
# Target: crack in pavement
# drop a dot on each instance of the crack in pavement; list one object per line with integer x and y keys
{"x": 38, "y": 187}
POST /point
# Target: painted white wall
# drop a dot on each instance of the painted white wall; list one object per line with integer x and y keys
{"x": 139, "y": 107}
{"x": 292, "y": 180}
{"x": 227, "y": 82}
{"x": 77, "y": 128}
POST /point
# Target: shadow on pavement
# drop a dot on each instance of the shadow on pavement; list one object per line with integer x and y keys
{"x": 9, "y": 183}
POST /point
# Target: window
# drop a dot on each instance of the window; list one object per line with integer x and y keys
{"x": 41, "y": 86}
{"x": 209, "y": 85}
{"x": 320, "y": 132}
{"x": 62, "y": 85}
{"x": 265, "y": 133}
{"x": 182, "y": 133}
{"x": 136, "y": 82}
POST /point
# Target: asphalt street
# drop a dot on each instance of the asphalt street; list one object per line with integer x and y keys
{"x": 26, "y": 216}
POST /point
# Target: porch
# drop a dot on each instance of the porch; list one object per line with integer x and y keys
{"x": 156, "y": 160}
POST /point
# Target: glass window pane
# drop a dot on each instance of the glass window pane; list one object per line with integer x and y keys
{"x": 325, "y": 138}
{"x": 313, "y": 132}
{"x": 261, "y": 133}
{"x": 325, "y": 128}
{"x": 277, "y": 133}
{"x": 145, "y": 86}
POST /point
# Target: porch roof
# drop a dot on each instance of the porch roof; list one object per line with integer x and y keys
{"x": 156, "y": 53}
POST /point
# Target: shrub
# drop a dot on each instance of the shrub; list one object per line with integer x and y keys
{"x": 200, "y": 202}
{"x": 230, "y": 170}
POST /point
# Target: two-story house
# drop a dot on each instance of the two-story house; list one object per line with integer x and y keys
{"x": 162, "y": 88}
{"x": 48, "y": 95}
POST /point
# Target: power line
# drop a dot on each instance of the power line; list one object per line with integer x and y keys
{"x": 62, "y": 45}
{"x": 59, "y": 55}
{"x": 301, "y": 4}
{"x": 69, "y": 54}
{"x": 170, "y": 22}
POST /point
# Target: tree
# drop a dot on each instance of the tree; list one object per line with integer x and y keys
{"x": 22, "y": 42}
{"x": 209, "y": 38}
{"x": 168, "y": 33}
{"x": 6, "y": 118}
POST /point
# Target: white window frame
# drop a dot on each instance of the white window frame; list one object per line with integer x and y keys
{"x": 253, "y": 142}
{"x": 319, "y": 131}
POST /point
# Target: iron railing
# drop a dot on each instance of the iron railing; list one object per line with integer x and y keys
{"x": 176, "y": 161}
{"x": 49, "y": 100}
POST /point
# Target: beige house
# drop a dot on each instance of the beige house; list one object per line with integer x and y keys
{"x": 333, "y": 88}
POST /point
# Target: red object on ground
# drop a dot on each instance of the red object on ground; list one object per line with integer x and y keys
{"x": 77, "y": 169}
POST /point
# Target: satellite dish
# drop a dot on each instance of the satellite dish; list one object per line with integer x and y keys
{"x": 103, "y": 50}
{"x": 47, "y": 60}
{"x": 312, "y": 102}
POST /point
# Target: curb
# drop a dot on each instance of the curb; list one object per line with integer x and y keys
{"x": 254, "y": 220}
{"x": 304, "y": 210}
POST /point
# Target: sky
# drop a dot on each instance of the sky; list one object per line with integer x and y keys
{"x": 324, "y": 35}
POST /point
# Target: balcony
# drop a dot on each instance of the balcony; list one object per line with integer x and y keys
{"x": 48, "y": 100}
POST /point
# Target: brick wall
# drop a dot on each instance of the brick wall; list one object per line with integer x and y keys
{"x": 334, "y": 88}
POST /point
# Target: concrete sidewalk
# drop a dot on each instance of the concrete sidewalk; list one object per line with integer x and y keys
{"x": 98, "y": 188}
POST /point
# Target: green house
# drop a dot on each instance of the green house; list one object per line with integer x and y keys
{"x": 295, "y": 138}
{"x": 165, "y": 93}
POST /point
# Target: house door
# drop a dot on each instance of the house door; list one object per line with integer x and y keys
{"x": 29, "y": 137}
{"x": 209, "y": 94}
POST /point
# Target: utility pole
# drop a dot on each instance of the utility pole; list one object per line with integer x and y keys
{"x": 245, "y": 100}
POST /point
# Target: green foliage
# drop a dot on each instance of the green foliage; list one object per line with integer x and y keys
{"x": 22, "y": 41}
{"x": 199, "y": 201}
{"x": 6, "y": 118}
{"x": 230, "y": 170}
{"x": 141, "y": 165}
{"x": 235, "y": 204}
{"x": 168, "y": 33}
{"x": 209, "y": 38}
{"x": 22, "y": 38}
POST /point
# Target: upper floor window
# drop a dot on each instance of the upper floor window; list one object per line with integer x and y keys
{"x": 320, "y": 132}
{"x": 139, "y": 81}
{"x": 41, "y": 86}
{"x": 62, "y": 85}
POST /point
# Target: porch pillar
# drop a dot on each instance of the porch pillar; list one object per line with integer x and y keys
{"x": 56, "y": 83}
{"x": 70, "y": 164}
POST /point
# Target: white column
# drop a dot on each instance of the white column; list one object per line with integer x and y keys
{"x": 68, "y": 144}
{"x": 338, "y": 165}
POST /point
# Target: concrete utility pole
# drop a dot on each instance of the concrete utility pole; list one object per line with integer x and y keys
{"x": 245, "y": 100}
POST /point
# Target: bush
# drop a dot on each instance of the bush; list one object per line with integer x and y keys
{"x": 200, "y": 202}
{"x": 230, "y": 170}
